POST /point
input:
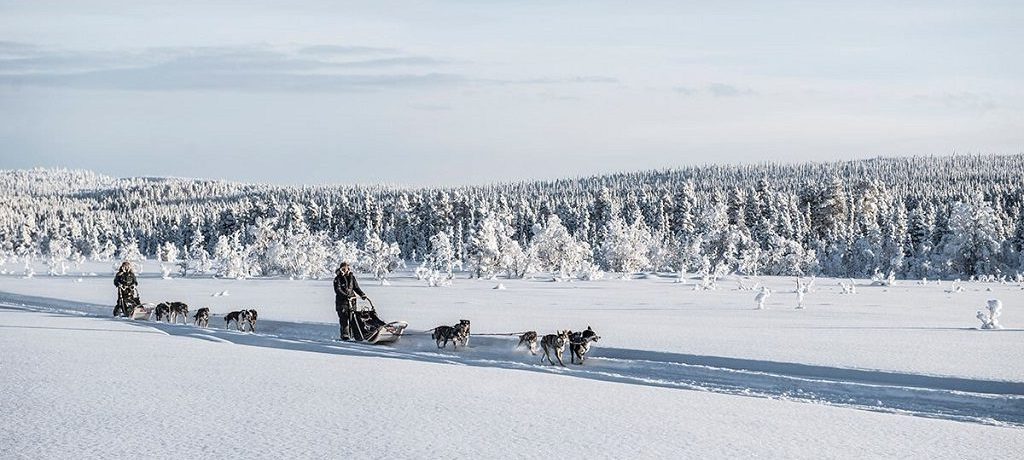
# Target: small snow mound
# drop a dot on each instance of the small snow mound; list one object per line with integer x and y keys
{"x": 500, "y": 287}
{"x": 384, "y": 282}
{"x": 220, "y": 294}
{"x": 79, "y": 280}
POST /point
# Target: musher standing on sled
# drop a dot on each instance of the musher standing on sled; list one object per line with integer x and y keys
{"x": 345, "y": 290}
{"x": 125, "y": 282}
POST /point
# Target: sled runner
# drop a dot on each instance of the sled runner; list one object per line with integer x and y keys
{"x": 367, "y": 327}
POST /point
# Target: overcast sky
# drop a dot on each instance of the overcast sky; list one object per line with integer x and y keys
{"x": 460, "y": 92}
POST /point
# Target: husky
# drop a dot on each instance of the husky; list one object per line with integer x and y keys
{"x": 178, "y": 308}
{"x": 529, "y": 338}
{"x": 457, "y": 334}
{"x": 202, "y": 317}
{"x": 579, "y": 344}
{"x": 251, "y": 320}
{"x": 239, "y": 317}
{"x": 554, "y": 343}
{"x": 162, "y": 312}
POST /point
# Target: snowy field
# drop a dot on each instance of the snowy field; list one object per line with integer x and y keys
{"x": 897, "y": 371}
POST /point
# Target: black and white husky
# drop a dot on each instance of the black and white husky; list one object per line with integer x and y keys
{"x": 179, "y": 308}
{"x": 253, "y": 315}
{"x": 169, "y": 311}
{"x": 457, "y": 334}
{"x": 162, "y": 312}
{"x": 529, "y": 338}
{"x": 554, "y": 343}
{"x": 202, "y": 317}
{"x": 239, "y": 317}
{"x": 579, "y": 344}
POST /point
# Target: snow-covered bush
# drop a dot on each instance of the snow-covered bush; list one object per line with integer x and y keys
{"x": 990, "y": 316}
{"x": 557, "y": 251}
{"x": 514, "y": 261}
{"x": 877, "y": 279}
{"x": 435, "y": 278}
{"x": 591, "y": 272}
{"x": 626, "y": 248}
{"x": 848, "y": 288}
{"x": 761, "y": 297}
{"x": 28, "y": 272}
{"x": 168, "y": 257}
{"x": 60, "y": 251}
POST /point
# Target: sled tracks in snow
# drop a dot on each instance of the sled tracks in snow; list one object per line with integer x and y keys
{"x": 967, "y": 400}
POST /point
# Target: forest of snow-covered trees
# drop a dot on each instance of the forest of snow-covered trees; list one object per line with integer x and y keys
{"x": 954, "y": 216}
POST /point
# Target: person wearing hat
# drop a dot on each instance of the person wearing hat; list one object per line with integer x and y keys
{"x": 345, "y": 290}
{"x": 125, "y": 282}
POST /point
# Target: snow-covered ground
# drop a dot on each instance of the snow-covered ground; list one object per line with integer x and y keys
{"x": 777, "y": 382}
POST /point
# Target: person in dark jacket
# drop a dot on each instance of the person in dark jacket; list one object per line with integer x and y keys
{"x": 127, "y": 297}
{"x": 346, "y": 288}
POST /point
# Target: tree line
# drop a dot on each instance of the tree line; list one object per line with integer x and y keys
{"x": 940, "y": 216}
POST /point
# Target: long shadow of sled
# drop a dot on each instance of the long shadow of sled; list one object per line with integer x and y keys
{"x": 952, "y": 398}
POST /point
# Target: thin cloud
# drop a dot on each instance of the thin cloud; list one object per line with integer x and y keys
{"x": 714, "y": 90}
{"x": 242, "y": 68}
{"x": 552, "y": 81}
{"x": 724, "y": 90}
{"x": 966, "y": 100}
{"x": 335, "y": 50}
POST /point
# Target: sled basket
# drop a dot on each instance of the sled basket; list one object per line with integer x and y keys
{"x": 367, "y": 327}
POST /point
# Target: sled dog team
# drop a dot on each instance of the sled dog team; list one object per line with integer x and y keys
{"x": 551, "y": 344}
{"x": 128, "y": 305}
{"x": 171, "y": 311}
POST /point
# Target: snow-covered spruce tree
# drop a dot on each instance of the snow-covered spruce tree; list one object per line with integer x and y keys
{"x": 865, "y": 255}
{"x": 557, "y": 251}
{"x": 106, "y": 252}
{"x": 484, "y": 248}
{"x": 229, "y": 259}
{"x": 972, "y": 245}
{"x": 380, "y": 258}
{"x": 130, "y": 252}
{"x": 168, "y": 257}
{"x": 921, "y": 230}
{"x": 440, "y": 260}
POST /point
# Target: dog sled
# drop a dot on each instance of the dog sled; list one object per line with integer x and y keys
{"x": 127, "y": 302}
{"x": 366, "y": 326}
{"x": 142, "y": 312}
